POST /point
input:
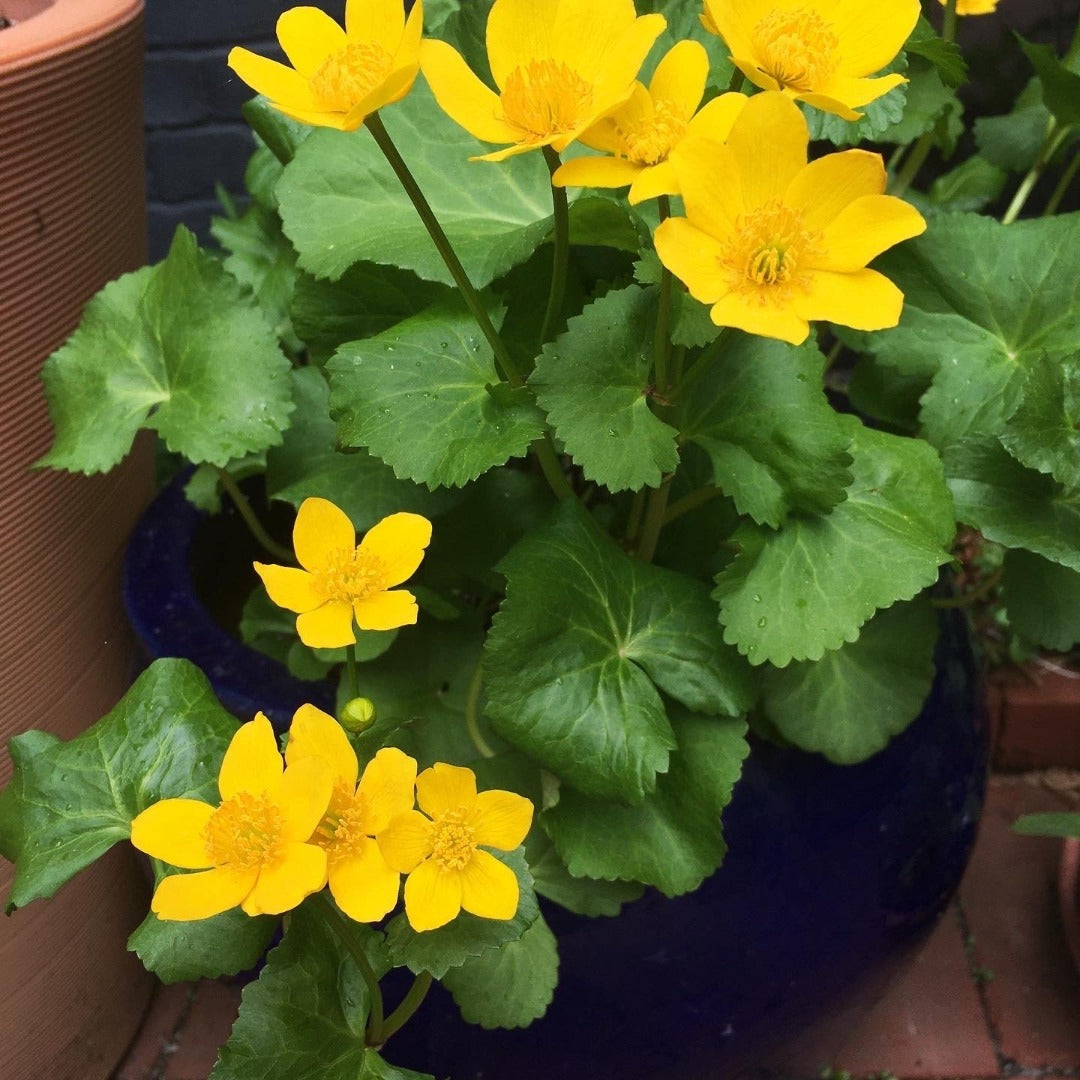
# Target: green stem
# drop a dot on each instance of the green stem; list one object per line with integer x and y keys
{"x": 409, "y": 1004}
{"x": 948, "y": 23}
{"x": 561, "y": 211}
{"x": 350, "y": 665}
{"x": 661, "y": 342}
{"x": 678, "y": 358}
{"x": 654, "y": 520}
{"x": 472, "y": 713}
{"x": 987, "y": 585}
{"x": 251, "y": 521}
{"x": 376, "y": 1032}
{"x": 915, "y": 160}
{"x": 701, "y": 364}
{"x": 1067, "y": 178}
{"x": 633, "y": 521}
{"x": 690, "y": 502}
{"x": 1055, "y": 135}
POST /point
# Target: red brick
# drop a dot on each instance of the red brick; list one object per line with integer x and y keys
{"x": 207, "y": 1027}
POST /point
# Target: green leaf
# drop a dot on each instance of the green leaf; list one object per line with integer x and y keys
{"x": 573, "y": 683}
{"x": 1062, "y": 823}
{"x": 281, "y": 134}
{"x": 593, "y": 382}
{"x": 930, "y": 105}
{"x": 684, "y": 21}
{"x": 775, "y": 443}
{"x": 1012, "y": 141}
{"x": 1042, "y": 600}
{"x": 178, "y": 348}
{"x": 1060, "y": 86}
{"x": 465, "y": 27}
{"x": 969, "y": 187}
{"x": 581, "y": 895}
{"x": 674, "y": 839}
{"x": 508, "y": 987}
{"x": 944, "y": 55}
{"x": 888, "y": 395}
{"x": 342, "y": 204}
{"x": 308, "y": 464}
{"x": 877, "y": 116}
{"x": 796, "y": 593}
{"x": 69, "y": 802}
{"x": 466, "y": 936}
{"x": 852, "y": 701}
{"x": 425, "y": 397}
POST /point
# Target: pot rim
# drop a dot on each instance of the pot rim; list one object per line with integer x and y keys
{"x": 63, "y": 26}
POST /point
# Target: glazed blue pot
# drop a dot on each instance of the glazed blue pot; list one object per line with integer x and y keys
{"x": 834, "y": 874}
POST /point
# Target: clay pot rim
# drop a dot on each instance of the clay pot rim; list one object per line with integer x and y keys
{"x": 61, "y": 27}
{"x": 1069, "y": 894}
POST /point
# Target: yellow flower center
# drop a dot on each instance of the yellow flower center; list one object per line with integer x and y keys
{"x": 245, "y": 832}
{"x": 454, "y": 841}
{"x": 649, "y": 141}
{"x": 544, "y": 99}
{"x": 346, "y": 77}
{"x": 346, "y": 826}
{"x": 768, "y": 248}
{"x": 797, "y": 48}
{"x": 350, "y": 574}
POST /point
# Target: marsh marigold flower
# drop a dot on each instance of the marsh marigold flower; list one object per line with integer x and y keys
{"x": 973, "y": 7}
{"x": 361, "y": 882}
{"x": 559, "y": 66}
{"x": 642, "y": 134}
{"x": 338, "y": 77}
{"x": 253, "y": 849}
{"x": 819, "y": 51}
{"x": 772, "y": 242}
{"x": 339, "y": 581}
{"x": 440, "y": 849}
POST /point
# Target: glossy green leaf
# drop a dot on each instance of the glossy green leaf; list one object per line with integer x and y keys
{"x": 931, "y": 106}
{"x": 281, "y": 134}
{"x": 581, "y": 895}
{"x": 1012, "y": 141}
{"x": 877, "y": 116}
{"x": 1060, "y": 86}
{"x": 971, "y": 186}
{"x": 944, "y": 55}
{"x": 1042, "y": 599}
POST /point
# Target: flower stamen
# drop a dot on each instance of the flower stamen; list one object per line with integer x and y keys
{"x": 648, "y": 141}
{"x": 350, "y": 574}
{"x": 453, "y": 841}
{"x": 545, "y": 98}
{"x": 765, "y": 254}
{"x": 245, "y": 832}
{"x": 797, "y": 48}
{"x": 347, "y": 76}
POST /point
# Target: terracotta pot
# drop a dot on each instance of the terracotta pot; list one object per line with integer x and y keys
{"x": 73, "y": 217}
{"x": 1036, "y": 714}
{"x": 1069, "y": 895}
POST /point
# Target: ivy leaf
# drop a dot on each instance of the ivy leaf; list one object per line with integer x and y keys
{"x": 69, "y": 802}
{"x": 425, "y": 397}
{"x": 1060, "y": 86}
{"x": 1042, "y": 599}
{"x": 593, "y": 382}
{"x": 775, "y": 443}
{"x": 178, "y": 348}
{"x": 796, "y": 593}
{"x": 674, "y": 839}
{"x": 508, "y": 987}
{"x": 342, "y": 204}
{"x": 467, "y": 936}
{"x": 574, "y": 684}
{"x": 877, "y": 116}
{"x": 852, "y": 701}
{"x": 581, "y": 895}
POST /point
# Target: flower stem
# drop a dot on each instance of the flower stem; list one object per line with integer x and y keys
{"x": 409, "y": 1004}
{"x": 561, "y": 211}
{"x": 701, "y": 364}
{"x": 232, "y": 488}
{"x": 633, "y": 521}
{"x": 1055, "y": 135}
{"x": 376, "y": 1032}
{"x": 654, "y": 520}
{"x": 914, "y": 162}
{"x": 472, "y": 703}
{"x": 1062, "y": 186}
{"x": 661, "y": 342}
{"x": 350, "y": 665}
{"x": 948, "y": 22}
{"x": 987, "y": 585}
{"x": 690, "y": 502}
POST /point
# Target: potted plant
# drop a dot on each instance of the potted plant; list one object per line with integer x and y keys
{"x": 575, "y": 520}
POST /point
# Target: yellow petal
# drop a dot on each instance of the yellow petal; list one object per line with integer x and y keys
{"x": 711, "y": 184}
{"x": 389, "y": 786}
{"x": 714, "y": 121}
{"x": 320, "y": 528}
{"x": 617, "y": 66}
{"x": 694, "y": 258}
{"x": 871, "y": 34}
{"x": 398, "y": 541}
{"x": 601, "y": 172}
{"x": 314, "y": 117}
{"x": 518, "y": 31}
{"x": 172, "y": 831}
{"x": 308, "y": 36}
{"x": 327, "y": 627}
{"x": 865, "y": 228}
{"x": 281, "y": 84}
{"x": 381, "y": 21}
{"x": 406, "y": 841}
{"x": 728, "y": 21}
{"x": 432, "y": 896}
{"x": 185, "y": 897}
{"x": 252, "y": 762}
{"x": 501, "y": 819}
{"x": 445, "y": 787}
{"x": 745, "y": 311}
{"x": 364, "y": 887}
{"x": 830, "y": 105}
{"x": 826, "y": 186}
{"x": 604, "y": 40}
{"x": 386, "y": 610}
{"x": 461, "y": 95}
{"x": 314, "y": 733}
{"x": 303, "y": 795}
{"x": 489, "y": 888}
{"x": 283, "y": 885}
{"x": 749, "y": 67}
{"x": 289, "y": 587}
{"x": 655, "y": 180}
{"x": 864, "y": 300}
{"x": 768, "y": 140}
{"x": 855, "y": 92}
{"x": 680, "y": 77}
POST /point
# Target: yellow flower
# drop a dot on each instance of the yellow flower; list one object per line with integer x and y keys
{"x": 252, "y": 849}
{"x": 644, "y": 133}
{"x": 338, "y": 77}
{"x": 772, "y": 242}
{"x": 341, "y": 581}
{"x": 441, "y": 852}
{"x": 559, "y": 65}
{"x": 361, "y": 882}
{"x": 973, "y": 7}
{"x": 819, "y": 51}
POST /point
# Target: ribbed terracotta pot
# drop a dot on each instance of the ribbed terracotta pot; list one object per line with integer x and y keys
{"x": 72, "y": 216}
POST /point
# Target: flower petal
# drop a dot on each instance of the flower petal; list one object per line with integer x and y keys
{"x": 601, "y": 172}
{"x": 715, "y": 119}
{"x": 252, "y": 762}
{"x": 308, "y": 35}
{"x": 711, "y": 185}
{"x": 856, "y": 92}
{"x": 327, "y": 627}
{"x": 603, "y": 40}
{"x": 659, "y": 179}
{"x": 314, "y": 117}
{"x": 185, "y": 897}
{"x": 172, "y": 831}
{"x": 871, "y": 34}
{"x": 680, "y": 77}
{"x": 864, "y": 300}
{"x": 461, "y": 95}
{"x": 826, "y": 186}
{"x": 501, "y": 819}
{"x": 432, "y": 896}
{"x": 830, "y": 105}
{"x": 618, "y": 65}
{"x": 289, "y": 587}
{"x": 732, "y": 19}
{"x": 445, "y": 787}
{"x": 518, "y": 31}
{"x": 381, "y": 21}
{"x": 386, "y": 610}
{"x": 388, "y": 784}
{"x": 283, "y": 885}
{"x": 406, "y": 841}
{"x": 746, "y": 311}
{"x": 303, "y": 796}
{"x": 399, "y": 541}
{"x": 769, "y": 141}
{"x": 281, "y": 84}
{"x": 489, "y": 888}
{"x": 314, "y": 733}
{"x": 320, "y": 528}
{"x": 865, "y": 228}
{"x": 364, "y": 887}
{"x": 694, "y": 258}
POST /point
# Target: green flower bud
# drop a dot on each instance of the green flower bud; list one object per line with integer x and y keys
{"x": 357, "y": 715}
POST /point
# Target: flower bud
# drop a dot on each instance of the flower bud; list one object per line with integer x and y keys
{"x": 357, "y": 715}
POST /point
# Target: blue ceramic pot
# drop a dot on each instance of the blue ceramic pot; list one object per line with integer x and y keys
{"x": 833, "y": 875}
